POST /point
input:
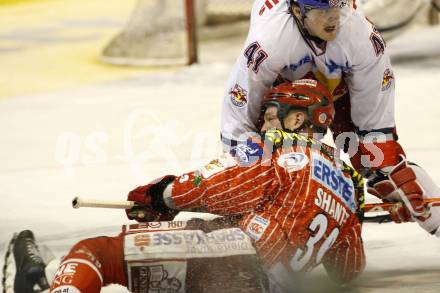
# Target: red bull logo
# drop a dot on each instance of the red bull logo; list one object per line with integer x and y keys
{"x": 388, "y": 78}
{"x": 238, "y": 96}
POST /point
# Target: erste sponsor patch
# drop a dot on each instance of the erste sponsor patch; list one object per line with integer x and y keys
{"x": 334, "y": 179}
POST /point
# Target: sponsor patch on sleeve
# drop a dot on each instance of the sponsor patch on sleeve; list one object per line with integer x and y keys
{"x": 388, "y": 79}
{"x": 256, "y": 227}
{"x": 224, "y": 162}
{"x": 247, "y": 153}
{"x": 238, "y": 96}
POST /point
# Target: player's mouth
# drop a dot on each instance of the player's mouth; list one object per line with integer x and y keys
{"x": 330, "y": 29}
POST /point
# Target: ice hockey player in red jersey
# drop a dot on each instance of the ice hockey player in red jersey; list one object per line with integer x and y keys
{"x": 299, "y": 204}
{"x": 293, "y": 204}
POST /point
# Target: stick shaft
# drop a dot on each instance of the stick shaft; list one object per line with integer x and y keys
{"x": 378, "y": 219}
{"x": 79, "y": 202}
{"x": 385, "y": 207}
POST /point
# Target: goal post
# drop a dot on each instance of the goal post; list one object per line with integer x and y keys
{"x": 191, "y": 24}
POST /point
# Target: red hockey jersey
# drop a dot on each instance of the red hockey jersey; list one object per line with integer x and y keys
{"x": 301, "y": 206}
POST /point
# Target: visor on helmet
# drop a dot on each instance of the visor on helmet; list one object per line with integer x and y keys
{"x": 340, "y": 10}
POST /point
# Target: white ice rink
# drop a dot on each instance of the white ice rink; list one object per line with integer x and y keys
{"x": 104, "y": 139}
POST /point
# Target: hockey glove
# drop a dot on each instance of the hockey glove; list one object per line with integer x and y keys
{"x": 399, "y": 184}
{"x": 150, "y": 206}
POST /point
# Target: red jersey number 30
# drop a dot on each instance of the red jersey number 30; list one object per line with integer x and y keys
{"x": 318, "y": 227}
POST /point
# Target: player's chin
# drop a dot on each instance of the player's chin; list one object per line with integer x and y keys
{"x": 329, "y": 33}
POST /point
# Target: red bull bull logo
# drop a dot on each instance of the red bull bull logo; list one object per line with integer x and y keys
{"x": 387, "y": 81}
{"x": 238, "y": 96}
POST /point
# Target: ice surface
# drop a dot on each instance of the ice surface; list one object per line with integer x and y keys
{"x": 101, "y": 140}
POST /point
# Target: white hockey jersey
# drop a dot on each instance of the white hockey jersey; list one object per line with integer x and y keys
{"x": 355, "y": 63}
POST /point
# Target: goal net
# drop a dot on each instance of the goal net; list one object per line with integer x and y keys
{"x": 163, "y": 32}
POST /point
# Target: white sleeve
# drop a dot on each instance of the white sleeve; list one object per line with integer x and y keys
{"x": 371, "y": 83}
{"x": 242, "y": 98}
{"x": 254, "y": 72}
{"x": 430, "y": 190}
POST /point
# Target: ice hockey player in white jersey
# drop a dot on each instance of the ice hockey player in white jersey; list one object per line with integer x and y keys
{"x": 332, "y": 41}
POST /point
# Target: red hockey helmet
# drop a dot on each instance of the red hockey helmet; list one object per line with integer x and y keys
{"x": 308, "y": 95}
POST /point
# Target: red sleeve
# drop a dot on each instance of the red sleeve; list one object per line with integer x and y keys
{"x": 381, "y": 151}
{"x": 224, "y": 186}
{"x": 345, "y": 261}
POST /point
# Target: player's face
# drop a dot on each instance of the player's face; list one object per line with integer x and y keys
{"x": 323, "y": 23}
{"x": 292, "y": 121}
{"x": 271, "y": 120}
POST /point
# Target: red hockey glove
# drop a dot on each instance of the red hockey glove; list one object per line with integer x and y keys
{"x": 399, "y": 184}
{"x": 150, "y": 206}
{"x": 401, "y": 215}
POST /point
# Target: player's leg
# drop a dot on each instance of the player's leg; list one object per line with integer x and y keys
{"x": 90, "y": 265}
{"x": 274, "y": 249}
{"x": 193, "y": 256}
{"x": 28, "y": 273}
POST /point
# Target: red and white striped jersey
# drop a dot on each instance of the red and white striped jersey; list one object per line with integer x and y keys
{"x": 299, "y": 204}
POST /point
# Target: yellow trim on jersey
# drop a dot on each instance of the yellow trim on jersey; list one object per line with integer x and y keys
{"x": 331, "y": 84}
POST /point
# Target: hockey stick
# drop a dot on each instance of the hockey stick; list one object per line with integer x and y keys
{"x": 79, "y": 202}
{"x": 378, "y": 219}
{"x": 385, "y": 207}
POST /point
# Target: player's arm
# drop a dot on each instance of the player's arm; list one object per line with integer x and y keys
{"x": 225, "y": 186}
{"x": 371, "y": 85}
{"x": 372, "y": 98}
{"x": 410, "y": 184}
{"x": 430, "y": 223}
{"x": 254, "y": 72}
{"x": 224, "y": 191}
